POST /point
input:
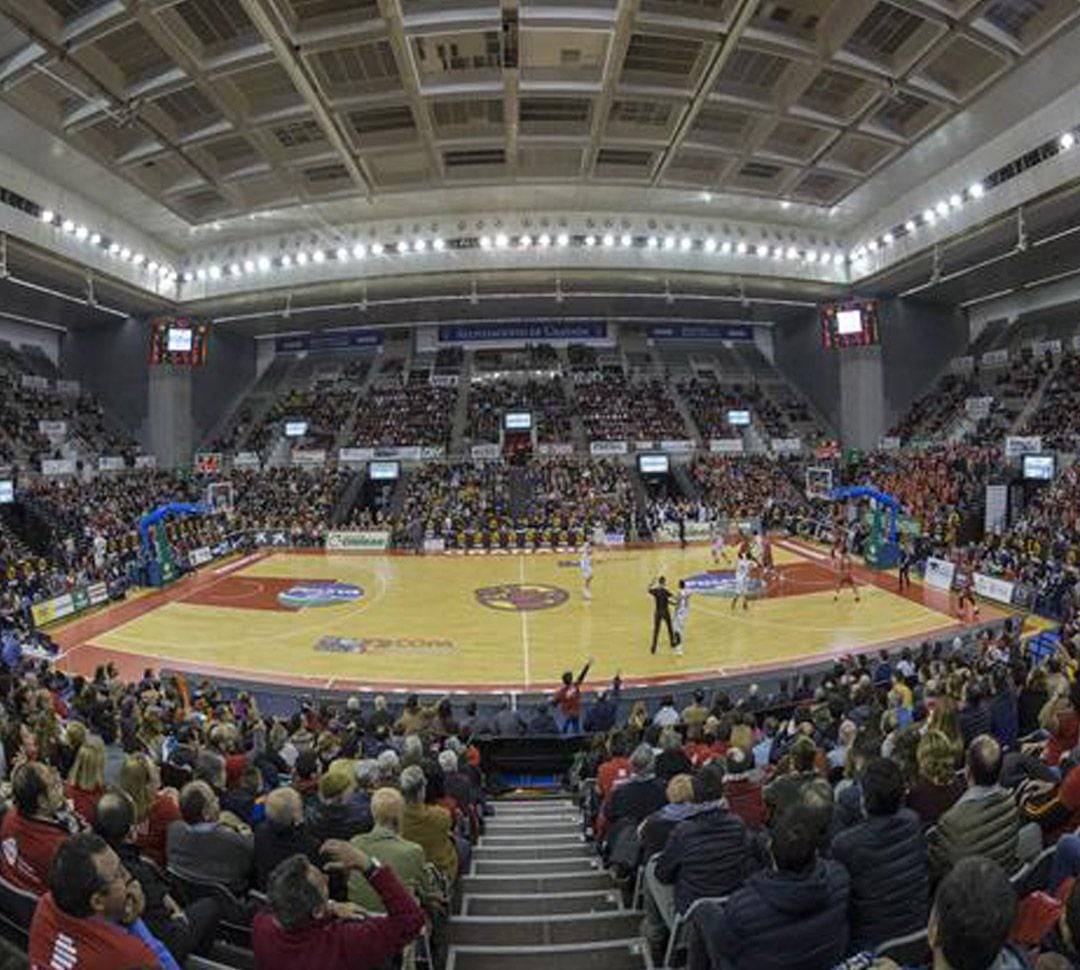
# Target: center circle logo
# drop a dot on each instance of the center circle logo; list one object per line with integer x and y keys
{"x": 720, "y": 584}
{"x": 521, "y": 597}
{"x": 303, "y": 595}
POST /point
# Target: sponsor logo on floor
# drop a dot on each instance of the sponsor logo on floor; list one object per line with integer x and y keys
{"x": 306, "y": 594}
{"x": 521, "y": 597}
{"x": 720, "y": 584}
{"x": 383, "y": 645}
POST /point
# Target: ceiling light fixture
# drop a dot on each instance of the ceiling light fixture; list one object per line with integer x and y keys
{"x": 976, "y": 190}
{"x": 377, "y": 249}
{"x": 1067, "y": 141}
{"x": 686, "y": 243}
{"x": 47, "y": 215}
{"x": 420, "y": 245}
{"x": 627, "y": 240}
{"x": 563, "y": 240}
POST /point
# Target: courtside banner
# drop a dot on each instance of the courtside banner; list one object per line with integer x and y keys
{"x": 486, "y": 452}
{"x": 677, "y": 446}
{"x": 726, "y": 446}
{"x": 889, "y": 443}
{"x": 146, "y": 461}
{"x": 695, "y": 531}
{"x": 939, "y": 573}
{"x": 553, "y": 448}
{"x": 609, "y": 448}
{"x": 353, "y": 541}
{"x": 786, "y": 446}
{"x": 999, "y": 590}
{"x": 110, "y": 463}
{"x": 308, "y": 458}
{"x": 98, "y": 593}
{"x": 355, "y": 456}
{"x": 246, "y": 459}
{"x": 200, "y": 556}
{"x": 57, "y": 466}
{"x": 1015, "y": 445}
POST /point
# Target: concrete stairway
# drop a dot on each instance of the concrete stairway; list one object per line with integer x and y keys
{"x": 537, "y": 899}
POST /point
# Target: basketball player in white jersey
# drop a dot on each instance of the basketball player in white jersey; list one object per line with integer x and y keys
{"x": 742, "y": 580}
{"x": 585, "y": 563}
{"x": 682, "y": 614}
{"x": 719, "y": 545}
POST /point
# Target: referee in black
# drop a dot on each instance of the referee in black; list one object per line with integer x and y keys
{"x": 662, "y": 614}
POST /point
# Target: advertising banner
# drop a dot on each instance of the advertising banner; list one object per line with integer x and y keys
{"x": 486, "y": 452}
{"x": 1016, "y": 445}
{"x": 57, "y": 466}
{"x": 695, "y": 531}
{"x": 997, "y": 504}
{"x": 608, "y": 448}
{"x": 432, "y": 452}
{"x": 999, "y": 590}
{"x": 786, "y": 446}
{"x": 111, "y": 463}
{"x": 146, "y": 461}
{"x": 207, "y": 462}
{"x": 200, "y": 557}
{"x": 352, "y": 541}
{"x": 246, "y": 459}
{"x": 434, "y": 545}
{"x": 34, "y": 383}
{"x": 939, "y": 573}
{"x": 98, "y": 593}
{"x": 52, "y": 429}
{"x": 391, "y": 453}
{"x": 308, "y": 457}
{"x": 354, "y": 337}
{"x": 547, "y": 332}
{"x": 1040, "y": 348}
{"x": 444, "y": 380}
{"x": 676, "y": 446}
{"x": 726, "y": 446}
{"x": 889, "y": 443}
{"x": 68, "y": 388}
{"x": 978, "y": 408}
{"x": 355, "y": 456}
{"x": 552, "y": 449}
{"x": 995, "y": 358}
{"x": 702, "y": 332}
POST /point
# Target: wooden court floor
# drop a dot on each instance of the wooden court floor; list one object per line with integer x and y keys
{"x": 499, "y": 622}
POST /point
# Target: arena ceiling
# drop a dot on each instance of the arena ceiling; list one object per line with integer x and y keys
{"x": 220, "y": 108}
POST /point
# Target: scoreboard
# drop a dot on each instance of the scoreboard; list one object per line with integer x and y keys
{"x": 180, "y": 341}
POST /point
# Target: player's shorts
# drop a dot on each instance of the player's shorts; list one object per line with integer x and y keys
{"x": 586, "y": 573}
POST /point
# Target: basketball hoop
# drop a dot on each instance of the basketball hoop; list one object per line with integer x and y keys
{"x": 219, "y": 498}
{"x": 819, "y": 482}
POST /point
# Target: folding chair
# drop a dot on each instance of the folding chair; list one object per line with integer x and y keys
{"x": 910, "y": 950}
{"x": 638, "y": 901}
{"x": 678, "y": 927}
{"x": 1029, "y": 842}
{"x": 235, "y": 925}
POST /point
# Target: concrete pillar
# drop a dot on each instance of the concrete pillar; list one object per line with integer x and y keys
{"x": 862, "y": 397}
{"x": 169, "y": 415}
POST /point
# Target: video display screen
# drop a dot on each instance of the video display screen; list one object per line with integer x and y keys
{"x": 384, "y": 471}
{"x": 653, "y": 464}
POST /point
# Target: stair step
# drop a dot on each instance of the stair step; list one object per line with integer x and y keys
{"x": 519, "y": 818}
{"x": 528, "y": 904}
{"x": 532, "y": 838}
{"x": 540, "y": 850}
{"x": 539, "y": 866}
{"x": 522, "y": 883}
{"x": 626, "y": 954}
{"x": 553, "y": 827}
{"x": 543, "y": 930}
{"x": 532, "y": 803}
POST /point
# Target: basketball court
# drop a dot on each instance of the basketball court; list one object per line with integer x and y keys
{"x": 495, "y": 622}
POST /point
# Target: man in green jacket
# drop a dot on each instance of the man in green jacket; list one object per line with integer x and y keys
{"x": 383, "y": 842}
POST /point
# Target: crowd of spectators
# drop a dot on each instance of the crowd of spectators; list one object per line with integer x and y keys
{"x": 1057, "y": 419}
{"x": 616, "y": 409}
{"x": 544, "y": 398}
{"x": 394, "y": 414}
{"x": 469, "y": 505}
{"x": 829, "y": 816}
{"x": 124, "y": 802}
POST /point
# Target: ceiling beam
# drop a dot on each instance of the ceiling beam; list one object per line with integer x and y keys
{"x": 743, "y": 15}
{"x": 618, "y": 45}
{"x": 267, "y": 20}
{"x": 409, "y": 71}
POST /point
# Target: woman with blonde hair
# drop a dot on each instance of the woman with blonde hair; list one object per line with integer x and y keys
{"x": 937, "y": 784}
{"x": 945, "y": 718}
{"x": 156, "y": 808}
{"x": 86, "y": 780}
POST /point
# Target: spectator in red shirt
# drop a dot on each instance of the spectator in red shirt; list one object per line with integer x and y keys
{"x": 86, "y": 780}
{"x": 30, "y": 835}
{"x": 742, "y": 792}
{"x": 156, "y": 808}
{"x": 568, "y": 699}
{"x": 90, "y": 919}
{"x": 615, "y": 769}
{"x": 305, "y": 930}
